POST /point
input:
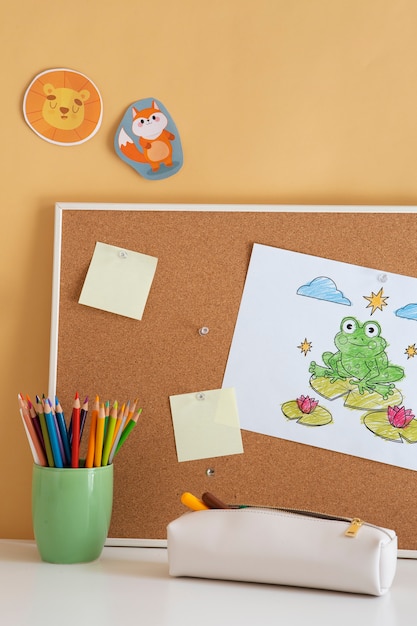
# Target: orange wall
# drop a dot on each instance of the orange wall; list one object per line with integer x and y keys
{"x": 300, "y": 102}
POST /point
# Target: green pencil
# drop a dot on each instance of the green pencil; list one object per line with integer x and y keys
{"x": 111, "y": 425}
{"x": 45, "y": 434}
{"x": 128, "y": 429}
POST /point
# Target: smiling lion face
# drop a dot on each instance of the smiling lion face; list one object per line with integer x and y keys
{"x": 64, "y": 107}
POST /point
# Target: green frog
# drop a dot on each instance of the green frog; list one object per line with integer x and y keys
{"x": 361, "y": 358}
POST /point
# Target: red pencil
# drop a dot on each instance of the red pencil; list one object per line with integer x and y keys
{"x": 75, "y": 421}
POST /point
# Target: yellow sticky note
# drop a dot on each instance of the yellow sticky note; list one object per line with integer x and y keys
{"x": 118, "y": 280}
{"x": 206, "y": 424}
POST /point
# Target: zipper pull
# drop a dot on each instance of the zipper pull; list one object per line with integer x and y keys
{"x": 354, "y": 526}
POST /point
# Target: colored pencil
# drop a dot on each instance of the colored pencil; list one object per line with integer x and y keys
{"x": 128, "y": 429}
{"x": 124, "y": 411}
{"x": 131, "y": 411}
{"x": 116, "y": 439}
{"x": 89, "y": 461}
{"x": 48, "y": 434}
{"x": 120, "y": 424}
{"x": 101, "y": 418}
{"x": 53, "y": 433}
{"x": 45, "y": 435}
{"x": 30, "y": 440}
{"x": 60, "y": 442}
{"x": 75, "y": 422}
{"x": 111, "y": 425}
{"x": 35, "y": 420}
{"x": 106, "y": 417}
{"x": 60, "y": 418}
{"x": 38, "y": 453}
{"x": 83, "y": 416}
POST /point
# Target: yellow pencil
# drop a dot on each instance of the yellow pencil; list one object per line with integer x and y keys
{"x": 193, "y": 503}
{"x": 89, "y": 461}
{"x": 122, "y": 412}
{"x": 101, "y": 418}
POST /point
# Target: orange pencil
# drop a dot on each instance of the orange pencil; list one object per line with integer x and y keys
{"x": 75, "y": 422}
{"x": 131, "y": 412}
{"x": 101, "y": 419}
{"x": 89, "y": 461}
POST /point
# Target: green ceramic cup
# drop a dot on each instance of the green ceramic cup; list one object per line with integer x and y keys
{"x": 71, "y": 512}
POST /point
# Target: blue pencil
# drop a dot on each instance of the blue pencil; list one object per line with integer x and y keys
{"x": 60, "y": 442}
{"x": 53, "y": 434}
{"x": 59, "y": 413}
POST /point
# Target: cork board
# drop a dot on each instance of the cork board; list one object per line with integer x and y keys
{"x": 203, "y": 254}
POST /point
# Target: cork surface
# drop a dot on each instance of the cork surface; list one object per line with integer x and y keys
{"x": 202, "y": 263}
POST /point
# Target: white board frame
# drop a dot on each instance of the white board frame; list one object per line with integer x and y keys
{"x": 60, "y": 207}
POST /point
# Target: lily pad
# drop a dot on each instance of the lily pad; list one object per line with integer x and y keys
{"x": 378, "y": 423}
{"x": 330, "y": 390}
{"x": 372, "y": 401}
{"x": 319, "y": 417}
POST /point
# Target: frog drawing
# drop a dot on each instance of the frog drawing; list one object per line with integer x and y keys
{"x": 360, "y": 358}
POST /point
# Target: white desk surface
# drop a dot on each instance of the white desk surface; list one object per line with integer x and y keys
{"x": 128, "y": 585}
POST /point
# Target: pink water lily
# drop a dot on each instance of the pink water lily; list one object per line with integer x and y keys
{"x": 306, "y": 404}
{"x": 399, "y": 417}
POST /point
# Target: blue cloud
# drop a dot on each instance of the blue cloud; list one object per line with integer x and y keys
{"x": 323, "y": 288}
{"x": 409, "y": 312}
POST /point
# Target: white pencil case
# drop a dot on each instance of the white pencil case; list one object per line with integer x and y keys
{"x": 283, "y": 547}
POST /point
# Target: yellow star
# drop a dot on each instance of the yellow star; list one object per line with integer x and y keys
{"x": 411, "y": 351}
{"x": 376, "y": 301}
{"x": 305, "y": 346}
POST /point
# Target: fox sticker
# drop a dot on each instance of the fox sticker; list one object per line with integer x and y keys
{"x": 148, "y": 140}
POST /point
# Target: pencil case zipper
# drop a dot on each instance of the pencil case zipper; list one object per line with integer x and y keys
{"x": 355, "y": 523}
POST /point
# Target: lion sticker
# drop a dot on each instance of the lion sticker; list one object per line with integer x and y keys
{"x": 63, "y": 107}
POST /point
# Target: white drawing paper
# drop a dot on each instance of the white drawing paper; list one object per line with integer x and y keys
{"x": 324, "y": 353}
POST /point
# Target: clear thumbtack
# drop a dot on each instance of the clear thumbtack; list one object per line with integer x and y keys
{"x": 203, "y": 331}
{"x": 200, "y": 396}
{"x": 123, "y": 254}
{"x": 382, "y": 278}
{"x": 210, "y": 471}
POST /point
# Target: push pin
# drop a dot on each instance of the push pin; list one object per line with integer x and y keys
{"x": 123, "y": 254}
{"x": 203, "y": 331}
{"x": 382, "y": 278}
{"x": 200, "y": 396}
{"x": 210, "y": 472}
